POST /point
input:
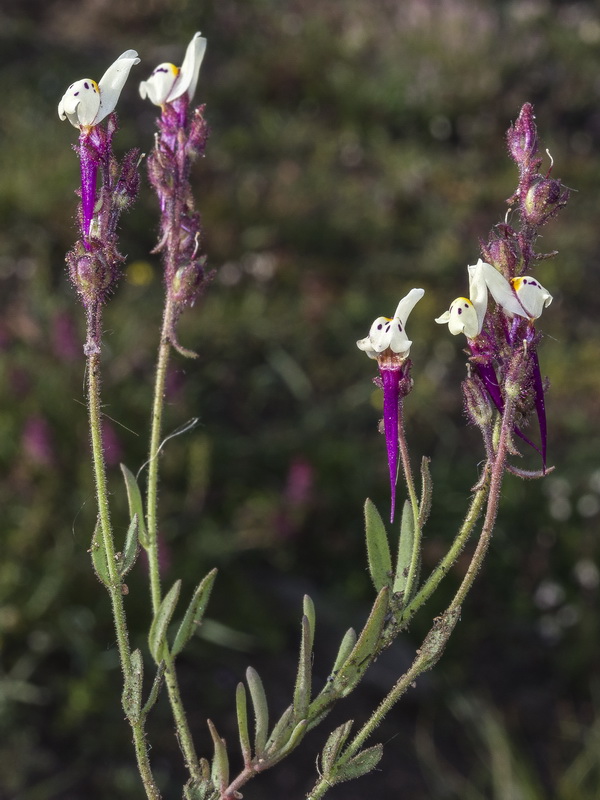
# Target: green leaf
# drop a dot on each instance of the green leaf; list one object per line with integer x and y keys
{"x": 154, "y": 691}
{"x": 294, "y": 740}
{"x": 132, "y": 688}
{"x": 195, "y": 612}
{"x": 405, "y": 550}
{"x": 333, "y": 745}
{"x": 136, "y": 505}
{"x": 302, "y": 688}
{"x": 261, "y": 711}
{"x": 241, "y": 704}
{"x": 220, "y": 765}
{"x": 362, "y": 763}
{"x": 365, "y": 649}
{"x": 157, "y": 638}
{"x": 346, "y": 646}
{"x": 98, "y": 553}
{"x": 131, "y": 549}
{"x": 281, "y": 732}
{"x": 309, "y": 613}
{"x": 378, "y": 549}
{"x": 426, "y": 492}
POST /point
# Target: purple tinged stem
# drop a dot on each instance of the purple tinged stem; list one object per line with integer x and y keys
{"x": 391, "y": 400}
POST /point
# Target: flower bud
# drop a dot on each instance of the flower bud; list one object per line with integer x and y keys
{"x": 522, "y": 138}
{"x": 543, "y": 199}
{"x": 477, "y": 404}
{"x": 504, "y": 254}
{"x": 187, "y": 282}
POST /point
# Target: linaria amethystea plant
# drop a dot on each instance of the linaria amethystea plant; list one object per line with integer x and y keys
{"x": 502, "y": 390}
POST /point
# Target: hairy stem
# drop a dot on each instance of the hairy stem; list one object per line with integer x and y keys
{"x": 114, "y": 589}
{"x": 183, "y": 730}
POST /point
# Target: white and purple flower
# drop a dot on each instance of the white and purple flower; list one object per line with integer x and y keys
{"x": 168, "y": 82}
{"x": 388, "y": 343}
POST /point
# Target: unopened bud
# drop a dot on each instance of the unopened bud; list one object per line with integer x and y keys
{"x": 543, "y": 199}
{"x": 188, "y": 281}
{"x": 504, "y": 254}
{"x": 522, "y": 138}
{"x": 477, "y": 403}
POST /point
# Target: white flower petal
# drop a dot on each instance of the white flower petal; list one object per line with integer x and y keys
{"x": 159, "y": 84}
{"x": 461, "y": 318}
{"x": 406, "y": 305}
{"x": 478, "y": 293}
{"x": 380, "y": 334}
{"x": 188, "y": 75}
{"x": 112, "y": 82}
{"x": 501, "y": 290}
{"x": 80, "y": 103}
{"x": 365, "y": 344}
{"x": 532, "y": 295}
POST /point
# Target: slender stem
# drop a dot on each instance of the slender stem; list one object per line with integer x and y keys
{"x": 497, "y": 474}
{"x": 114, "y": 589}
{"x": 434, "y": 580}
{"x": 152, "y": 486}
{"x": 183, "y": 730}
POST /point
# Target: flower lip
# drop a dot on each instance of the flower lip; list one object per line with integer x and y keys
{"x": 390, "y": 333}
{"x": 167, "y": 82}
{"x": 531, "y": 295}
{"x": 86, "y": 103}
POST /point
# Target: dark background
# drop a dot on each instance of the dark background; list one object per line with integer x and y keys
{"x": 357, "y": 150}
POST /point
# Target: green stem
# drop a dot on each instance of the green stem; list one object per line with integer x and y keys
{"x": 152, "y": 486}
{"x": 495, "y": 485}
{"x": 114, "y": 588}
{"x": 183, "y": 730}
{"x": 434, "y": 580}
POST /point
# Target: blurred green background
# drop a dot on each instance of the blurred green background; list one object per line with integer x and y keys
{"x": 357, "y": 150}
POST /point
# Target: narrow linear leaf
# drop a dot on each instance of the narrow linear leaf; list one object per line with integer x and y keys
{"x": 136, "y": 505}
{"x": 426, "y": 492}
{"x": 261, "y": 711}
{"x": 241, "y": 705}
{"x": 155, "y": 690}
{"x": 220, "y": 766}
{"x": 195, "y": 612}
{"x": 132, "y": 688}
{"x": 131, "y": 549}
{"x": 378, "y": 549}
{"x": 365, "y": 648}
{"x": 302, "y": 688}
{"x": 281, "y": 732}
{"x": 405, "y": 550}
{"x": 346, "y": 646}
{"x": 308, "y": 609}
{"x": 360, "y": 765}
{"x": 333, "y": 745}
{"x": 293, "y": 742}
{"x": 157, "y": 637}
{"x": 98, "y": 553}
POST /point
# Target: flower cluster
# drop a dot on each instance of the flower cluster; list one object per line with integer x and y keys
{"x": 497, "y": 318}
{"x": 94, "y": 262}
{"x": 182, "y": 137}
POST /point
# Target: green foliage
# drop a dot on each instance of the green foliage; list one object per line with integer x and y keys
{"x": 354, "y": 152}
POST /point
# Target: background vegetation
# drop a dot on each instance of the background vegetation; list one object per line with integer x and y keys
{"x": 357, "y": 150}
